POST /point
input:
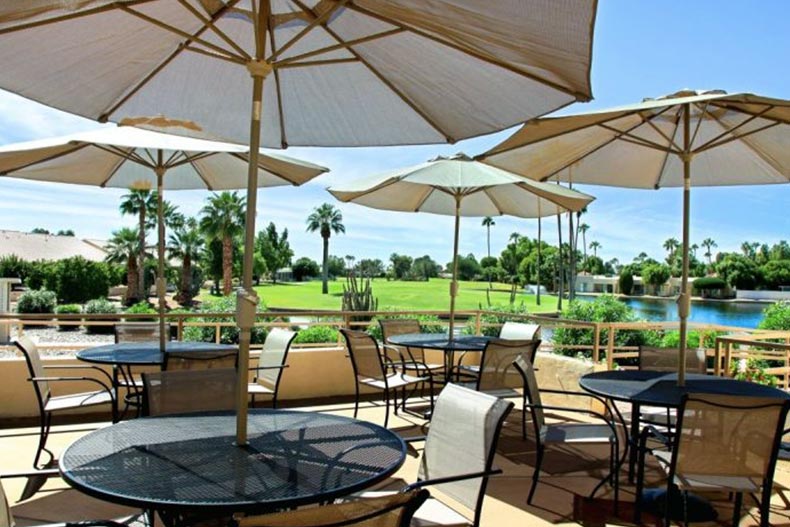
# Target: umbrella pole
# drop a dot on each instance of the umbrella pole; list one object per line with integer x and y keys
{"x": 454, "y": 283}
{"x": 684, "y": 300}
{"x": 160, "y": 249}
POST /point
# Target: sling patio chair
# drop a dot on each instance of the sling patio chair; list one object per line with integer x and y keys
{"x": 184, "y": 391}
{"x": 135, "y": 332}
{"x": 271, "y": 363}
{"x": 413, "y": 359}
{"x": 604, "y": 432}
{"x": 49, "y": 404}
{"x": 394, "y": 510}
{"x": 498, "y": 374}
{"x": 458, "y": 456}
{"x": 519, "y": 331}
{"x": 370, "y": 370}
{"x": 200, "y": 360}
{"x": 723, "y": 443}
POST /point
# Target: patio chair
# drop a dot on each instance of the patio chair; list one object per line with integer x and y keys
{"x": 497, "y": 374}
{"x": 7, "y": 519}
{"x": 666, "y": 360}
{"x": 458, "y": 456}
{"x": 519, "y": 331}
{"x": 565, "y": 433}
{"x": 413, "y": 359}
{"x": 200, "y": 360}
{"x": 135, "y": 332}
{"x": 394, "y": 510}
{"x": 723, "y": 443}
{"x": 271, "y": 363}
{"x": 49, "y": 404}
{"x": 370, "y": 370}
{"x": 184, "y": 391}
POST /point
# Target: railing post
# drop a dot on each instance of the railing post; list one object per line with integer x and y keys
{"x": 610, "y": 349}
{"x": 596, "y": 354}
{"x": 478, "y": 322}
{"x": 180, "y": 330}
{"x": 717, "y": 359}
{"x": 217, "y": 330}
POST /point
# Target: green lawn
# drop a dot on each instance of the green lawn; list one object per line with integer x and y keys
{"x": 433, "y": 295}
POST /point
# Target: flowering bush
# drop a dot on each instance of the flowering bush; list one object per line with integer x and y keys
{"x": 752, "y": 370}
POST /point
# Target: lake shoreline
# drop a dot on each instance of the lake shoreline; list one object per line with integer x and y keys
{"x": 693, "y": 298}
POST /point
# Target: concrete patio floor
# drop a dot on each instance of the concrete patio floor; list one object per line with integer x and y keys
{"x": 568, "y": 472}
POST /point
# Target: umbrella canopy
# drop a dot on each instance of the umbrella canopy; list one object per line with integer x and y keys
{"x": 324, "y": 73}
{"x": 127, "y": 157}
{"x": 685, "y": 139}
{"x": 459, "y": 186}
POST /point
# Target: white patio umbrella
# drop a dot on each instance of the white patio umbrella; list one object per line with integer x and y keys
{"x": 685, "y": 139}
{"x": 339, "y": 73}
{"x": 458, "y": 186}
{"x": 128, "y": 157}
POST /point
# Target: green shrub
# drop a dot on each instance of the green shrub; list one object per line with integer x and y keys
{"x": 752, "y": 370}
{"x": 709, "y": 282}
{"x": 68, "y": 309}
{"x": 36, "y": 302}
{"x": 671, "y": 339}
{"x": 776, "y": 316}
{"x": 141, "y": 308}
{"x": 605, "y": 308}
{"x": 77, "y": 280}
{"x": 12, "y": 266}
{"x": 317, "y": 335}
{"x": 100, "y": 306}
{"x": 39, "y": 274}
{"x": 626, "y": 280}
{"x": 228, "y": 334}
{"x": 428, "y": 323}
{"x": 497, "y": 315}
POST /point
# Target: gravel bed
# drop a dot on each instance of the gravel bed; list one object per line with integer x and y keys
{"x": 51, "y": 335}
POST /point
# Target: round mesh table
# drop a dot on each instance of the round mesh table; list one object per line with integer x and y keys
{"x": 188, "y": 463}
{"x": 441, "y": 341}
{"x": 143, "y": 353}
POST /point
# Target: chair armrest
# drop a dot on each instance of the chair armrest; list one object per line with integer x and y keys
{"x": 649, "y": 431}
{"x": 600, "y": 416}
{"x": 49, "y": 472}
{"x": 91, "y": 523}
{"x": 59, "y": 379}
{"x": 450, "y": 479}
{"x": 269, "y": 367}
{"x": 79, "y": 367}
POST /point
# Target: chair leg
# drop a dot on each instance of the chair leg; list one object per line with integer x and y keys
{"x": 524, "y": 417}
{"x": 387, "y": 407}
{"x": 536, "y": 474}
{"x": 274, "y": 401}
{"x": 736, "y": 511}
{"x": 765, "y": 505}
{"x": 46, "y": 422}
{"x": 356, "y": 399}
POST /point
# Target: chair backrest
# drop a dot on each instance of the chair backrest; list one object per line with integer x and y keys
{"x": 725, "y": 435}
{"x": 666, "y": 359}
{"x": 526, "y": 368}
{"x": 200, "y": 360}
{"x": 274, "y": 353}
{"x": 364, "y": 353}
{"x": 462, "y": 438}
{"x": 6, "y": 518}
{"x": 139, "y": 332}
{"x": 391, "y": 327}
{"x": 392, "y": 510}
{"x": 497, "y": 368}
{"x": 519, "y": 331}
{"x": 173, "y": 392}
{"x": 34, "y": 368}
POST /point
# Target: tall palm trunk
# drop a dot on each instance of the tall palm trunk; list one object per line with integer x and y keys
{"x": 131, "y": 280}
{"x": 571, "y": 259}
{"x": 227, "y": 265}
{"x": 584, "y": 242}
{"x": 186, "y": 280}
{"x": 488, "y": 239}
{"x": 325, "y": 274}
{"x": 537, "y": 276}
{"x": 561, "y": 264}
{"x": 141, "y": 292}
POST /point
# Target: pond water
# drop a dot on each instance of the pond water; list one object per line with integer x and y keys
{"x": 741, "y": 314}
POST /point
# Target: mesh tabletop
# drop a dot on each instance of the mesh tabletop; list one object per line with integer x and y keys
{"x": 189, "y": 462}
{"x": 661, "y": 389}
{"x": 144, "y": 353}
{"x": 440, "y": 341}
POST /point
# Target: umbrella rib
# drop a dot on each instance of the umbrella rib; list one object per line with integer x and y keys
{"x": 278, "y": 89}
{"x": 70, "y": 16}
{"x": 278, "y": 174}
{"x": 699, "y": 121}
{"x": 205, "y": 181}
{"x": 402, "y": 96}
{"x": 660, "y": 175}
{"x": 131, "y": 155}
{"x": 294, "y": 60}
{"x": 635, "y": 139}
{"x": 471, "y": 52}
{"x": 726, "y": 104}
{"x": 315, "y": 22}
{"x": 670, "y": 141}
{"x": 208, "y": 22}
{"x": 487, "y": 192}
{"x": 424, "y": 197}
{"x": 185, "y": 158}
{"x": 115, "y": 169}
{"x": 181, "y": 47}
{"x": 712, "y": 143}
{"x": 77, "y": 147}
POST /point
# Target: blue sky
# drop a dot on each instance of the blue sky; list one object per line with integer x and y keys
{"x": 641, "y": 49}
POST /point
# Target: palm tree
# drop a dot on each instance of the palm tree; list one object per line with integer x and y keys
{"x": 186, "y": 243}
{"x": 671, "y": 245}
{"x": 583, "y": 228}
{"x": 123, "y": 249}
{"x": 326, "y": 219}
{"x": 708, "y": 243}
{"x": 514, "y": 237}
{"x": 594, "y": 245}
{"x": 223, "y": 219}
{"x": 694, "y": 247}
{"x": 488, "y": 222}
{"x": 350, "y": 258}
{"x": 139, "y": 202}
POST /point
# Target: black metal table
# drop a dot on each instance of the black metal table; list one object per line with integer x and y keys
{"x": 189, "y": 464}
{"x": 124, "y": 356}
{"x": 652, "y": 388}
{"x": 443, "y": 342}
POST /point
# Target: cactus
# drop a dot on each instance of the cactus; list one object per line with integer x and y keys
{"x": 358, "y": 296}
